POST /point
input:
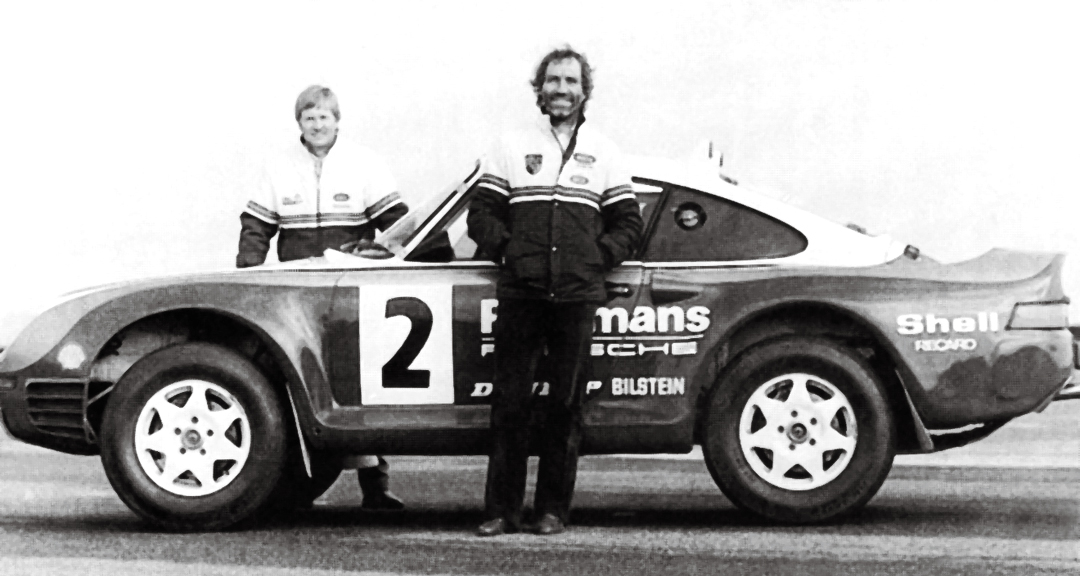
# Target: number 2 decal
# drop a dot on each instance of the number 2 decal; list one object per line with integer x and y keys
{"x": 406, "y": 345}
{"x": 396, "y": 372}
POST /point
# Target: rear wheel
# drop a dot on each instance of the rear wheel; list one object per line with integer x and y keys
{"x": 193, "y": 438}
{"x": 798, "y": 430}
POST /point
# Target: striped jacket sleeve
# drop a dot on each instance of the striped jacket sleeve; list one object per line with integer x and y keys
{"x": 489, "y": 210}
{"x": 622, "y": 215}
{"x": 258, "y": 223}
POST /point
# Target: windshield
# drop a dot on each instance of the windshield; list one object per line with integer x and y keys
{"x": 403, "y": 231}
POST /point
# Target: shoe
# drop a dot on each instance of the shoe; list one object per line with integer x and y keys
{"x": 375, "y": 486}
{"x": 494, "y": 527}
{"x": 549, "y": 524}
{"x": 382, "y": 501}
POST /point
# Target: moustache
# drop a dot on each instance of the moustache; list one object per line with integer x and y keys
{"x": 567, "y": 97}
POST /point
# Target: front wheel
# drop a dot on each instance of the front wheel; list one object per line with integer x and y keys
{"x": 193, "y": 438}
{"x": 798, "y": 430}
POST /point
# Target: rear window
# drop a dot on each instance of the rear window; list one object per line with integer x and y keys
{"x": 692, "y": 226}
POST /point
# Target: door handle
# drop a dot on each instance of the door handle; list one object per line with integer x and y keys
{"x": 663, "y": 293}
{"x": 617, "y": 290}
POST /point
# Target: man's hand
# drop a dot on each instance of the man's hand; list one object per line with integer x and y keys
{"x": 367, "y": 249}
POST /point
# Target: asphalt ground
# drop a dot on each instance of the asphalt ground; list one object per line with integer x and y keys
{"x": 1007, "y": 505}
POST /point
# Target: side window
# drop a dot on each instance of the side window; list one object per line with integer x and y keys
{"x": 648, "y": 196}
{"x": 464, "y": 247}
{"x": 694, "y": 227}
{"x": 449, "y": 241}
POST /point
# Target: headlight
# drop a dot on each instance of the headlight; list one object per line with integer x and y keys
{"x": 1040, "y": 316}
{"x": 71, "y": 356}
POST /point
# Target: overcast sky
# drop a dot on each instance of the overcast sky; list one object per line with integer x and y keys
{"x": 133, "y": 129}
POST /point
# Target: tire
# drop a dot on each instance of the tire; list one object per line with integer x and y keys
{"x": 224, "y": 454}
{"x": 836, "y": 440}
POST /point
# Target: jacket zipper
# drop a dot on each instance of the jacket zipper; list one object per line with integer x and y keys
{"x": 318, "y": 204}
{"x": 551, "y": 221}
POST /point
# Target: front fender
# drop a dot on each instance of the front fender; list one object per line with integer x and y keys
{"x": 288, "y": 316}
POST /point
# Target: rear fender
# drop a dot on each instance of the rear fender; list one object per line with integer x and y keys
{"x": 823, "y": 320}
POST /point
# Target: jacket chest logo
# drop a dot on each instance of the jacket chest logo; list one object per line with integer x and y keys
{"x": 533, "y": 162}
{"x": 341, "y": 197}
{"x": 298, "y": 199}
{"x": 584, "y": 158}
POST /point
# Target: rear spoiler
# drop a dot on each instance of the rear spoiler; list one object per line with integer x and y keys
{"x": 706, "y": 151}
{"x": 1071, "y": 391}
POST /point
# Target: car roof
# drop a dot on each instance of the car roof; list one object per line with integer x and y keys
{"x": 828, "y": 243}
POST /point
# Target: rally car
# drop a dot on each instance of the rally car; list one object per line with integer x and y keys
{"x": 801, "y": 355}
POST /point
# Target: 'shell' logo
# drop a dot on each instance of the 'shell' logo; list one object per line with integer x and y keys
{"x": 911, "y": 324}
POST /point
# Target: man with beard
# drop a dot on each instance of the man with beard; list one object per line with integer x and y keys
{"x": 556, "y": 210}
{"x": 318, "y": 201}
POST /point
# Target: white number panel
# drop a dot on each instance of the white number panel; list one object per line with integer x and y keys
{"x": 406, "y": 344}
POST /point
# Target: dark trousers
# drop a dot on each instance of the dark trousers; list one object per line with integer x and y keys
{"x": 522, "y": 329}
{"x": 374, "y": 480}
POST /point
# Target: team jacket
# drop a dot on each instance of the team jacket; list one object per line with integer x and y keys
{"x": 317, "y": 203}
{"x": 556, "y": 219}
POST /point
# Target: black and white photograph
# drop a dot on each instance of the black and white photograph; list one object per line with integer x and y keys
{"x": 578, "y": 287}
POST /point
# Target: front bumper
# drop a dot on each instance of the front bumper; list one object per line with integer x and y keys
{"x": 51, "y": 413}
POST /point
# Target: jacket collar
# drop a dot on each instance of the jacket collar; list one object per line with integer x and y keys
{"x": 545, "y": 124}
{"x": 336, "y": 142}
{"x": 543, "y": 121}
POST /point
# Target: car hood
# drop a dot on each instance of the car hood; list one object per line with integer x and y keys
{"x": 54, "y": 310}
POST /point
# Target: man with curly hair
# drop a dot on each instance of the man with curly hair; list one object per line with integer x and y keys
{"x": 555, "y": 209}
